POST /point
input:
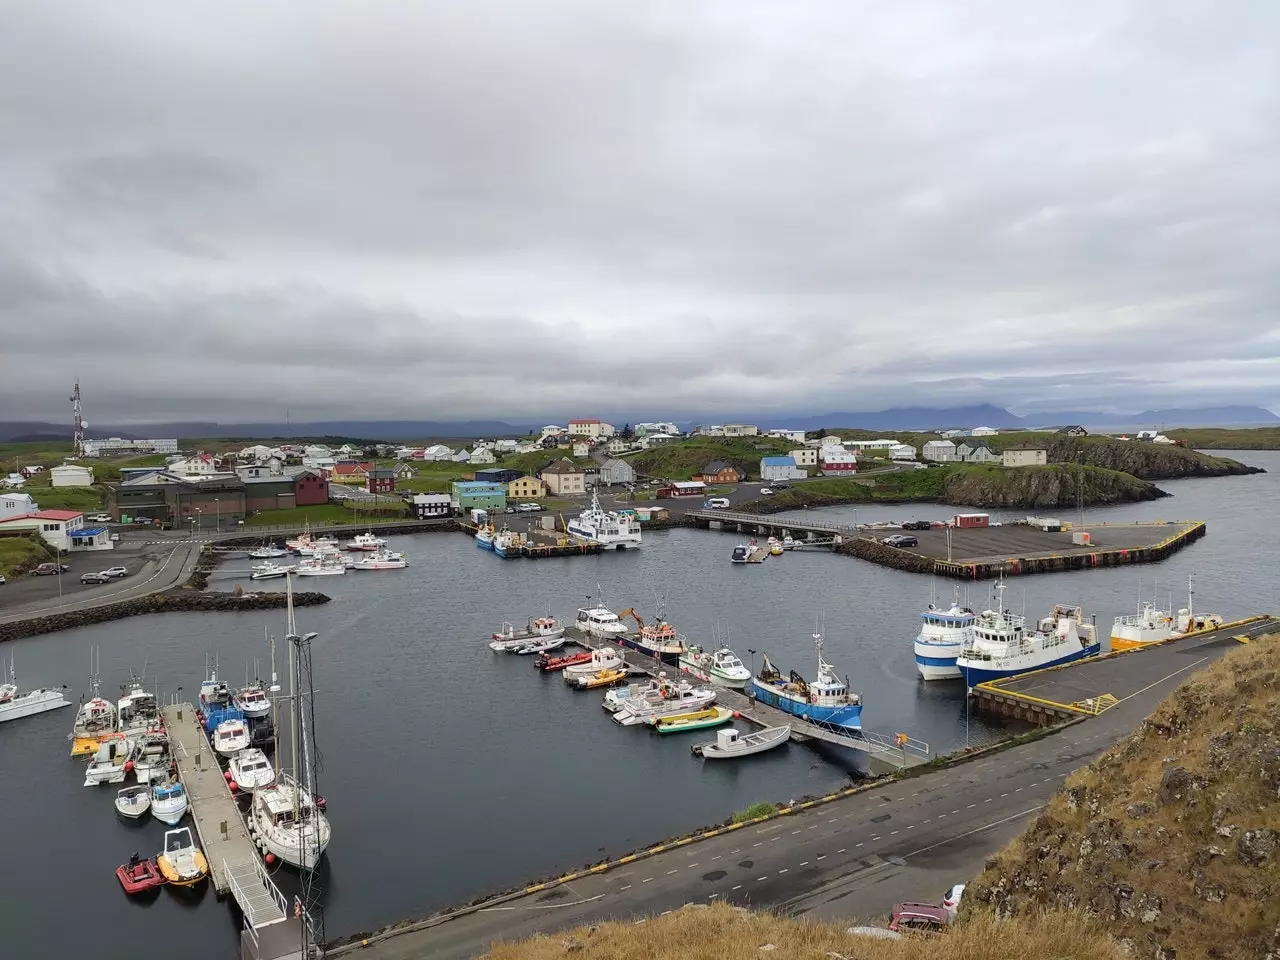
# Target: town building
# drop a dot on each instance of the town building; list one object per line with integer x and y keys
{"x": 200, "y": 503}
{"x": 478, "y": 494}
{"x": 780, "y": 468}
{"x": 564, "y": 478}
{"x": 498, "y": 474}
{"x": 381, "y": 480}
{"x": 652, "y": 440}
{"x": 861, "y": 446}
{"x": 976, "y": 450}
{"x": 316, "y": 450}
{"x": 14, "y": 481}
{"x": 354, "y": 472}
{"x": 902, "y": 451}
{"x": 16, "y": 505}
{"x": 462, "y": 456}
{"x": 984, "y": 432}
{"x": 581, "y": 449}
{"x": 837, "y": 462}
{"x": 36, "y": 469}
{"x": 91, "y": 538}
{"x": 403, "y": 471}
{"x": 741, "y": 430}
{"x": 953, "y": 434}
{"x": 430, "y": 506}
{"x": 57, "y": 527}
{"x": 116, "y": 445}
{"x": 200, "y": 465}
{"x": 437, "y": 452}
{"x": 1074, "y": 430}
{"x": 683, "y": 488}
{"x": 710, "y": 430}
{"x": 939, "y": 451}
{"x": 1025, "y": 457}
{"x": 506, "y": 445}
{"x": 595, "y": 429}
{"x": 655, "y": 426}
{"x": 805, "y": 456}
{"x": 614, "y": 471}
{"x": 795, "y": 436}
{"x": 291, "y": 487}
{"x": 617, "y": 445}
{"x": 718, "y": 471}
{"x": 526, "y": 488}
{"x": 71, "y": 475}
{"x": 482, "y": 454}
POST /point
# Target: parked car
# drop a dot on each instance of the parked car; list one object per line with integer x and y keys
{"x": 3, "y": 581}
{"x": 115, "y": 537}
{"x": 530, "y": 507}
{"x": 141, "y": 519}
{"x": 899, "y": 540}
{"x": 100, "y": 577}
{"x": 926, "y": 918}
{"x": 99, "y": 518}
{"x": 917, "y": 525}
{"x": 49, "y": 569}
{"x": 766, "y": 491}
{"x": 951, "y": 902}
{"x": 116, "y": 572}
{"x": 781, "y": 485}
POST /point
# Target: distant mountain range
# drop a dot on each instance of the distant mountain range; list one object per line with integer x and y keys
{"x": 897, "y": 418}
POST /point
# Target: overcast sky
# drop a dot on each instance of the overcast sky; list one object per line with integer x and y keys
{"x": 530, "y": 210}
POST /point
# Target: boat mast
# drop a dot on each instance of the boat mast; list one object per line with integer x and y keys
{"x": 1191, "y": 598}
{"x": 291, "y": 637}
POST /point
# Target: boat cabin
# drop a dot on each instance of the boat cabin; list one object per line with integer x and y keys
{"x": 949, "y": 619}
{"x": 278, "y": 804}
{"x": 96, "y": 716}
{"x": 176, "y": 841}
{"x": 251, "y": 697}
{"x": 167, "y": 791}
{"x": 597, "y": 616}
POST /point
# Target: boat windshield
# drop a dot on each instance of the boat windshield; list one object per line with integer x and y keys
{"x": 177, "y": 840}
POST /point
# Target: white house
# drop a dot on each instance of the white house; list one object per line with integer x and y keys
{"x": 56, "y": 526}
{"x": 976, "y": 450}
{"x": 805, "y": 456}
{"x": 939, "y": 451}
{"x": 861, "y": 445}
{"x": 712, "y": 430}
{"x": 591, "y": 427}
{"x": 795, "y": 436}
{"x": 741, "y": 430}
{"x": 617, "y": 445}
{"x": 780, "y": 468}
{"x": 505, "y": 446}
{"x": 462, "y": 456}
{"x": 315, "y": 451}
{"x": 837, "y": 462}
{"x": 14, "y": 481}
{"x": 201, "y": 465}
{"x": 655, "y": 426}
{"x": 71, "y": 475}
{"x": 17, "y": 504}
{"x": 953, "y": 434}
{"x": 615, "y": 471}
{"x": 1161, "y": 438}
{"x": 582, "y": 449}
{"x": 902, "y": 451}
{"x": 426, "y": 506}
{"x": 482, "y": 455}
{"x": 437, "y": 451}
{"x": 551, "y": 430}
{"x": 984, "y": 432}
{"x": 1026, "y": 457}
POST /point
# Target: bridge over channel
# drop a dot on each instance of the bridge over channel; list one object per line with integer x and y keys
{"x": 777, "y": 525}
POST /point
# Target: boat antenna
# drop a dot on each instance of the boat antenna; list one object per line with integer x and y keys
{"x": 1191, "y": 596}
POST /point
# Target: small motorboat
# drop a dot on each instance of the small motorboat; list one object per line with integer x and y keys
{"x": 618, "y": 698}
{"x": 321, "y": 566}
{"x": 672, "y": 699}
{"x": 365, "y": 542}
{"x": 270, "y": 571}
{"x": 250, "y": 769}
{"x": 133, "y": 802}
{"x": 775, "y": 547}
{"x": 230, "y": 737}
{"x": 605, "y": 658}
{"x": 139, "y": 875}
{"x": 541, "y": 628}
{"x": 268, "y": 553}
{"x": 788, "y": 543}
{"x": 719, "y": 666}
{"x": 603, "y": 678}
{"x": 168, "y": 802}
{"x": 548, "y": 664}
{"x": 697, "y": 720}
{"x": 381, "y": 560}
{"x": 729, "y": 744}
{"x": 539, "y": 646}
{"x": 110, "y": 764}
{"x": 182, "y": 863}
{"x": 252, "y": 701}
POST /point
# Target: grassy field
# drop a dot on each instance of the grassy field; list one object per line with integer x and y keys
{"x": 686, "y": 458}
{"x": 22, "y": 553}
{"x": 1206, "y": 438}
{"x": 388, "y": 510}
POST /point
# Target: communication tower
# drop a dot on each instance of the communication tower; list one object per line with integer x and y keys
{"x": 77, "y": 422}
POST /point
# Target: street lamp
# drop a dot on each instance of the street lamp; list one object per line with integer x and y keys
{"x": 199, "y": 518}
{"x": 217, "y": 506}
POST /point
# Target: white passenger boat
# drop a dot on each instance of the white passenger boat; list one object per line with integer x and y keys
{"x": 619, "y": 697}
{"x": 615, "y": 531}
{"x": 252, "y": 701}
{"x": 1153, "y": 625}
{"x": 268, "y": 553}
{"x": 110, "y": 764}
{"x": 285, "y": 821}
{"x": 1002, "y": 647}
{"x": 943, "y": 634}
{"x": 719, "y": 666}
{"x": 133, "y": 802}
{"x": 381, "y": 560}
{"x": 251, "y": 770}
{"x": 230, "y": 737}
{"x": 14, "y": 705}
{"x": 541, "y": 628}
{"x": 270, "y": 571}
{"x": 605, "y": 658}
{"x": 601, "y": 623}
{"x": 365, "y": 542}
{"x": 731, "y": 744}
{"x": 673, "y": 699}
{"x": 317, "y": 547}
{"x": 168, "y": 801}
{"x": 321, "y": 567}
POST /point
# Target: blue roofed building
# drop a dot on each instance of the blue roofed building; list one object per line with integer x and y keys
{"x": 781, "y": 468}
{"x": 479, "y": 494}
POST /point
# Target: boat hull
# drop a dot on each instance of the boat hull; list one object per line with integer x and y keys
{"x": 29, "y": 706}
{"x": 936, "y": 660}
{"x": 671, "y": 657}
{"x": 846, "y": 717}
{"x": 712, "y": 675}
{"x": 979, "y": 672}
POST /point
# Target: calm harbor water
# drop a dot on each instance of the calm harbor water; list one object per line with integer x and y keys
{"x": 451, "y": 771}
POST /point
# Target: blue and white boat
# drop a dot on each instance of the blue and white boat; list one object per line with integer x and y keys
{"x": 943, "y": 634}
{"x": 507, "y": 544}
{"x": 825, "y": 701}
{"x": 1002, "y": 647}
{"x": 484, "y": 537}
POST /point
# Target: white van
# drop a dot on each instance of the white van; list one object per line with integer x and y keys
{"x": 718, "y": 503}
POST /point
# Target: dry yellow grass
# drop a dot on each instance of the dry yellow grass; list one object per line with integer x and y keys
{"x": 725, "y": 933}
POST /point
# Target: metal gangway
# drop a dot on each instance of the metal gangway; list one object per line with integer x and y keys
{"x": 271, "y": 930}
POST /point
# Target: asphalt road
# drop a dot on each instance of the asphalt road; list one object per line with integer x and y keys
{"x": 850, "y": 860}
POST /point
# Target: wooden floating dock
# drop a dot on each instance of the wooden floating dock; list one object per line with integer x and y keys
{"x": 540, "y": 544}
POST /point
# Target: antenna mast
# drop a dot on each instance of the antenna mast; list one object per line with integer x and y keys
{"x": 77, "y": 422}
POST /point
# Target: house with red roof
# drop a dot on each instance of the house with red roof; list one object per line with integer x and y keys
{"x": 351, "y": 471}
{"x": 62, "y": 529}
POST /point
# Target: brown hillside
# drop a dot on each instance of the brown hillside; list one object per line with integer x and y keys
{"x": 1171, "y": 839}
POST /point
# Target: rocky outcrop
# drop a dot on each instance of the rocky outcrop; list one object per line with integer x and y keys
{"x": 1148, "y": 461}
{"x": 1049, "y": 487}
{"x": 169, "y": 602}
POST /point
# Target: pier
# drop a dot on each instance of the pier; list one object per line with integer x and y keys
{"x": 539, "y": 544}
{"x": 269, "y": 932}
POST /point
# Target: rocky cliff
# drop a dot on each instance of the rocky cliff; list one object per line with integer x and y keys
{"x": 1150, "y": 461}
{"x": 1172, "y": 838}
{"x": 1050, "y": 487}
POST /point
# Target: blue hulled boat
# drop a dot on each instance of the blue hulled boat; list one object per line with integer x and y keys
{"x": 825, "y": 701}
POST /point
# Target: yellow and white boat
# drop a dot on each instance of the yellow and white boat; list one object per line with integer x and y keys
{"x": 1153, "y": 625}
{"x": 695, "y": 720}
{"x": 601, "y": 678}
{"x": 182, "y": 864}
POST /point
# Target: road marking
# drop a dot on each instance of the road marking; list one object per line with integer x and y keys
{"x": 955, "y": 811}
{"x": 664, "y": 913}
{"x": 911, "y": 826}
{"x": 1003, "y": 795}
{"x": 930, "y": 820}
{"x": 893, "y": 832}
{"x": 692, "y": 865}
{"x": 775, "y": 839}
{"x": 546, "y": 906}
{"x": 814, "y": 827}
{"x": 794, "y": 832}
{"x": 717, "y": 856}
{"x": 1019, "y": 790}
{"x": 941, "y": 816}
{"x": 856, "y": 845}
{"x": 833, "y": 820}
{"x": 712, "y": 896}
{"x": 971, "y": 806}
{"x": 738, "y": 887}
{"x": 760, "y": 844}
{"x": 765, "y": 877}
{"x": 823, "y": 857}
{"x": 805, "y": 863}
{"x": 646, "y": 880}
{"x": 988, "y": 800}
{"x": 627, "y": 887}
{"x": 670, "y": 872}
{"x": 783, "y": 870}
{"x": 640, "y": 921}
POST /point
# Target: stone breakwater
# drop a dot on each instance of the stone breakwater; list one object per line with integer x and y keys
{"x": 170, "y": 602}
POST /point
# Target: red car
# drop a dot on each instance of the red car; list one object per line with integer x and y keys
{"x": 926, "y": 918}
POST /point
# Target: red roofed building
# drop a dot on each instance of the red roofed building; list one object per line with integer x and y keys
{"x": 351, "y": 471}
{"x": 595, "y": 429}
{"x": 56, "y": 526}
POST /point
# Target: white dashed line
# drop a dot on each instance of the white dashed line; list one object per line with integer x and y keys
{"x": 911, "y": 826}
{"x": 664, "y": 913}
{"x": 670, "y": 872}
{"x": 841, "y": 850}
{"x": 1003, "y": 795}
{"x": 971, "y": 806}
{"x": 717, "y": 856}
{"x": 833, "y": 820}
{"x": 856, "y": 845}
{"x": 988, "y": 800}
{"x": 1019, "y": 790}
{"x": 941, "y": 816}
{"x": 760, "y": 844}
{"x": 894, "y": 832}
{"x": 712, "y": 896}
{"x": 930, "y": 820}
{"x": 783, "y": 870}
{"x": 805, "y": 864}
{"x": 640, "y": 921}
{"x": 774, "y": 839}
{"x": 692, "y": 865}
{"x": 647, "y": 880}
{"x": 955, "y": 811}
{"x": 823, "y": 857}
{"x": 794, "y": 832}
{"x": 627, "y": 887}
{"x": 738, "y": 887}
{"x": 765, "y": 877}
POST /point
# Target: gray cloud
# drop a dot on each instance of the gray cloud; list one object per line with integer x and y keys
{"x": 477, "y": 209}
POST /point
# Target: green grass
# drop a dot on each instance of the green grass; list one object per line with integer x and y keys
{"x": 531, "y": 463}
{"x": 1205, "y": 438}
{"x": 761, "y": 809}
{"x": 329, "y": 513}
{"x": 686, "y": 458}
{"x": 89, "y": 499}
{"x": 19, "y": 554}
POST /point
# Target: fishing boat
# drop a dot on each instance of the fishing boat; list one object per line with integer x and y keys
{"x": 541, "y": 628}
{"x": 605, "y": 658}
{"x": 601, "y": 678}
{"x": 721, "y": 666}
{"x": 14, "y": 705}
{"x": 95, "y": 718}
{"x": 270, "y": 571}
{"x": 485, "y": 535}
{"x": 252, "y": 701}
{"x": 775, "y": 547}
{"x": 309, "y": 547}
{"x": 214, "y": 693}
{"x": 268, "y": 552}
{"x": 1153, "y": 625}
{"x": 658, "y": 640}
{"x": 671, "y": 699}
{"x": 182, "y": 863}
{"x": 138, "y": 875}
{"x": 613, "y": 530}
{"x": 943, "y": 634}
{"x": 697, "y": 720}
{"x": 137, "y": 710}
{"x": 619, "y": 697}
{"x": 133, "y": 802}
{"x": 508, "y": 544}
{"x": 381, "y": 560}
{"x": 365, "y": 542}
{"x": 110, "y": 764}
{"x": 538, "y": 646}
{"x": 1001, "y": 645}
{"x": 824, "y": 701}
{"x": 321, "y": 566}
{"x": 168, "y": 801}
{"x": 549, "y": 664}
{"x": 730, "y": 744}
{"x": 152, "y": 758}
{"x": 230, "y": 737}
{"x": 599, "y": 622}
{"x": 251, "y": 770}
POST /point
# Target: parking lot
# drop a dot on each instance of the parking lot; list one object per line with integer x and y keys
{"x": 131, "y": 552}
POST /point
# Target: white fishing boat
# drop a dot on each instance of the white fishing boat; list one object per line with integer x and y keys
{"x": 137, "y": 711}
{"x": 230, "y": 737}
{"x": 270, "y": 571}
{"x": 14, "y": 705}
{"x": 485, "y": 536}
{"x": 658, "y": 640}
{"x": 615, "y": 531}
{"x": 317, "y": 547}
{"x": 731, "y": 744}
{"x": 252, "y": 701}
{"x": 541, "y": 628}
{"x": 95, "y": 718}
{"x": 721, "y": 666}
{"x": 381, "y": 560}
{"x": 133, "y": 802}
{"x": 110, "y": 764}
{"x": 251, "y": 770}
{"x": 152, "y": 759}
{"x": 508, "y": 544}
{"x": 675, "y": 698}
{"x": 365, "y": 542}
{"x": 601, "y": 623}
{"x": 268, "y": 553}
{"x": 538, "y": 646}
{"x": 943, "y": 634}
{"x": 605, "y": 658}
{"x": 619, "y": 697}
{"x": 1153, "y": 625}
{"x": 168, "y": 801}
{"x": 321, "y": 567}
{"x": 1001, "y": 645}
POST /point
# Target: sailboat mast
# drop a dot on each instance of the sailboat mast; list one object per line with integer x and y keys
{"x": 293, "y": 692}
{"x": 275, "y": 709}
